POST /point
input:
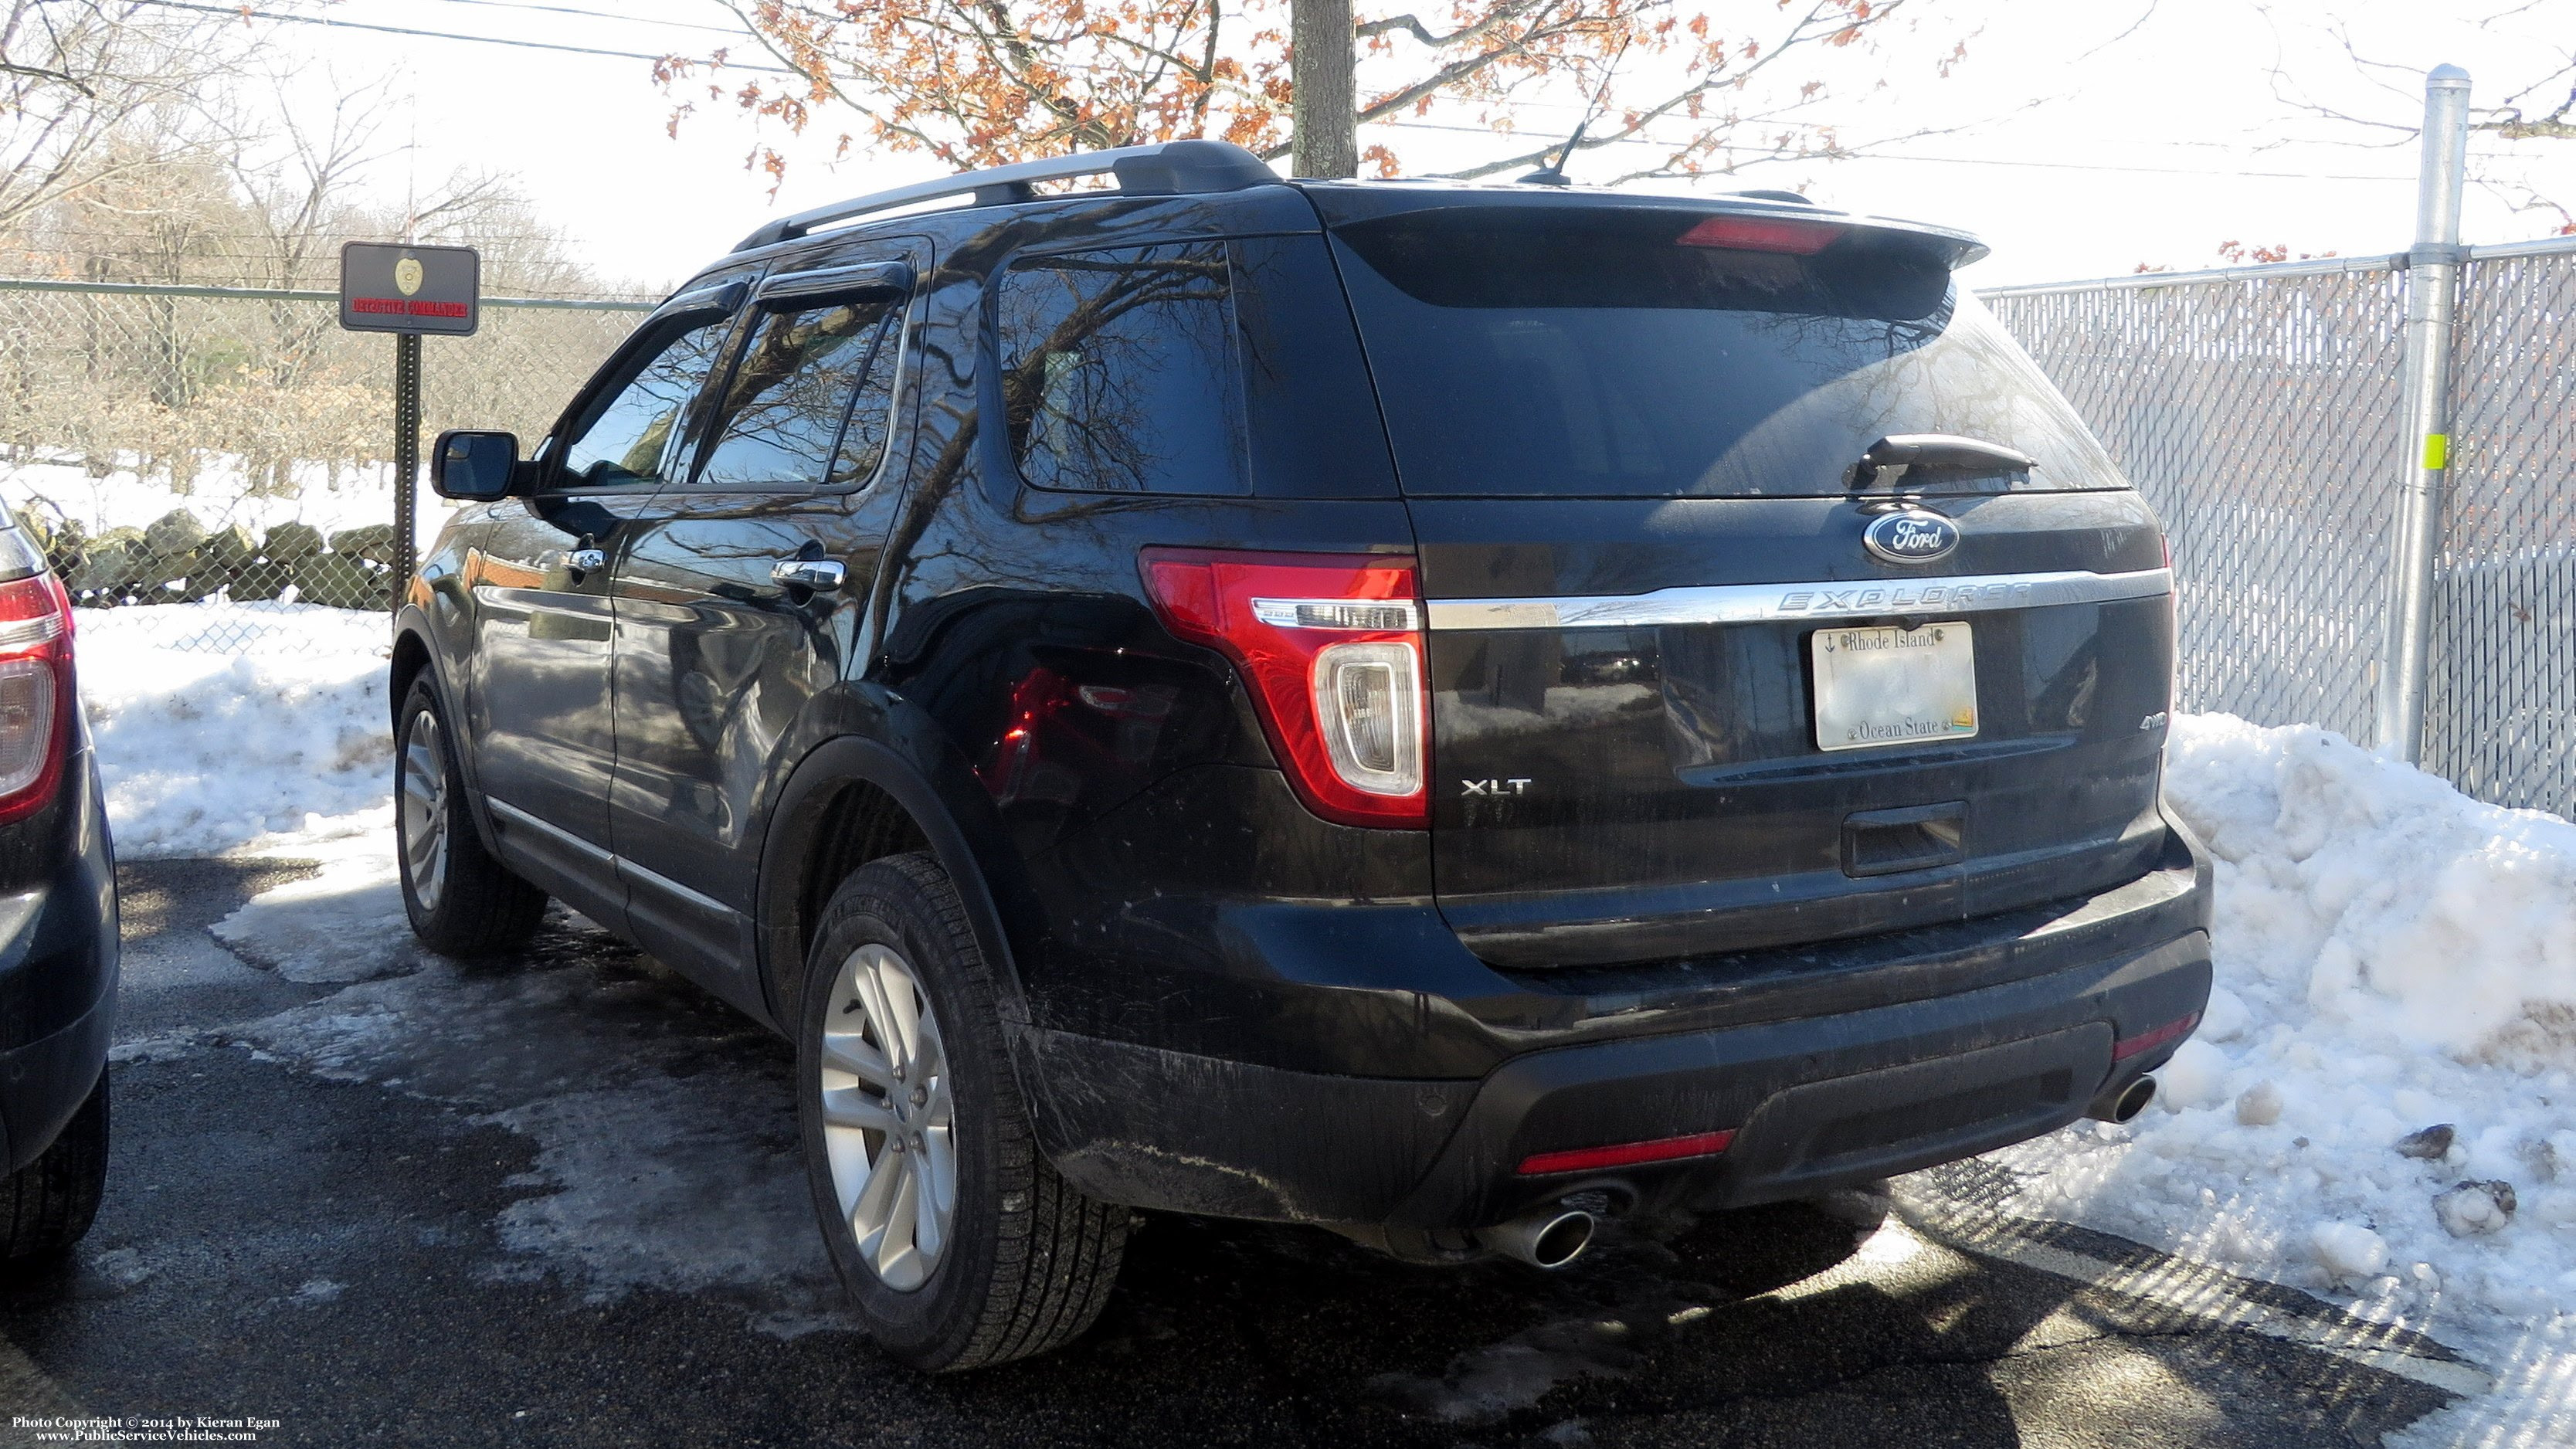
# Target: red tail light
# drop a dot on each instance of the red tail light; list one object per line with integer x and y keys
{"x": 35, "y": 692}
{"x": 1761, "y": 234}
{"x": 1330, "y": 646}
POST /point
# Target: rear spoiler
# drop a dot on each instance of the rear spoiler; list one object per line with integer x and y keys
{"x": 1344, "y": 203}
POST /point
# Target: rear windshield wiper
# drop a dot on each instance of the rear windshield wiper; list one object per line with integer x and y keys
{"x": 1900, "y": 454}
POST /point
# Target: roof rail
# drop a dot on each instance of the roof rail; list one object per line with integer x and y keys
{"x": 1166, "y": 168}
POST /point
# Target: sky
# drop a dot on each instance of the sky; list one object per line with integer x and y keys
{"x": 2079, "y": 140}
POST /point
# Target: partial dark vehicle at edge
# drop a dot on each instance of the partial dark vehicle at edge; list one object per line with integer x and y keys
{"x": 58, "y": 940}
{"x": 1444, "y": 712}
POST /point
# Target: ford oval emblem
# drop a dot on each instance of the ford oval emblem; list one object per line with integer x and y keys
{"x": 1910, "y": 538}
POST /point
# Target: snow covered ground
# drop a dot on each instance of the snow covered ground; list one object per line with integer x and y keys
{"x": 286, "y": 741}
{"x": 666, "y": 1148}
{"x": 2380, "y": 1107}
{"x": 220, "y": 494}
{"x": 664, "y": 1172}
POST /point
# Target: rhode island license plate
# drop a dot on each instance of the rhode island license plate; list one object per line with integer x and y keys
{"x": 1890, "y": 686}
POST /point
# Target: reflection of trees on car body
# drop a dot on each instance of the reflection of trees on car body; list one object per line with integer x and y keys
{"x": 810, "y": 399}
{"x": 1118, "y": 370}
{"x": 628, "y": 437}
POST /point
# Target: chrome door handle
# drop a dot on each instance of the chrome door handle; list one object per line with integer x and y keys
{"x": 820, "y": 574}
{"x": 583, "y": 560}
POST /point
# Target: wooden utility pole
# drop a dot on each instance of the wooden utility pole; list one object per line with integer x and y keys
{"x": 1324, "y": 125}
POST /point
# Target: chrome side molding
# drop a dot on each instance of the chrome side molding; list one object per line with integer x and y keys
{"x": 548, "y": 829}
{"x": 521, "y": 818}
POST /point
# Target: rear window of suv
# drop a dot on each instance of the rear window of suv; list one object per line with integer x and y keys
{"x": 1650, "y": 353}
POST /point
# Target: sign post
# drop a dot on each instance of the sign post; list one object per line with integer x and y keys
{"x": 406, "y": 549}
{"x": 408, "y": 291}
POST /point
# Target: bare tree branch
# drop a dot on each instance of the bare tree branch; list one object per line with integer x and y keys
{"x": 980, "y": 82}
{"x": 75, "y": 74}
{"x": 2396, "y": 124}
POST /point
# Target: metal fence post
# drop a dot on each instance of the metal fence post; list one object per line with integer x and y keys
{"x": 2432, "y": 290}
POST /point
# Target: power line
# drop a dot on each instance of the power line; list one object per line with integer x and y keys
{"x": 579, "y": 302}
{"x": 733, "y": 30}
{"x": 1784, "y": 122}
{"x": 129, "y": 234}
{"x": 232, "y": 12}
{"x": 1938, "y": 160}
{"x": 2137, "y": 170}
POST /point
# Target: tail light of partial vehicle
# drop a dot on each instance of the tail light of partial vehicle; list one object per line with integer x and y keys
{"x": 1330, "y": 646}
{"x": 35, "y": 692}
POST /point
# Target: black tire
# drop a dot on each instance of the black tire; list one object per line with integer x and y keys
{"x": 47, "y": 1206}
{"x": 476, "y": 907}
{"x": 1028, "y": 1262}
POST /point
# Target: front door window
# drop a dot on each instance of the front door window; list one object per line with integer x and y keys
{"x": 627, "y": 439}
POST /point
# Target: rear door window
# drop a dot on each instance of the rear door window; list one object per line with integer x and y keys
{"x": 810, "y": 399}
{"x": 1642, "y": 352}
{"x": 1118, "y": 370}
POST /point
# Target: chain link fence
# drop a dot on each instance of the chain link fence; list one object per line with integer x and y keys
{"x": 2500, "y": 715}
{"x": 229, "y": 449}
{"x": 2258, "y": 409}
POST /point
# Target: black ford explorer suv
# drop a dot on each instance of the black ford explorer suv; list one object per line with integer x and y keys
{"x": 1438, "y": 711}
{"x": 58, "y": 946}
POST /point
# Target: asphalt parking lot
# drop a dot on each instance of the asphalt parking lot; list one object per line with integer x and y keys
{"x": 378, "y": 1198}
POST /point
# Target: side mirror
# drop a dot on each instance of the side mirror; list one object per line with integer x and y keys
{"x": 473, "y": 466}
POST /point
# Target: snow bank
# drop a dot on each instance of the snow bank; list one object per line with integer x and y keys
{"x": 287, "y": 739}
{"x": 2379, "y": 1105}
{"x": 221, "y": 493}
{"x": 2394, "y": 905}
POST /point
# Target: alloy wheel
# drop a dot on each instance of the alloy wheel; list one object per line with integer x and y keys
{"x": 888, "y": 1116}
{"x": 424, "y": 811}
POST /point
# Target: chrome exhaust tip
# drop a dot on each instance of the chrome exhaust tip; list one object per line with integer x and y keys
{"x": 2125, "y": 1103}
{"x": 1549, "y": 1238}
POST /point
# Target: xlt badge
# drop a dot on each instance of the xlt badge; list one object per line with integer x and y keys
{"x": 1495, "y": 787}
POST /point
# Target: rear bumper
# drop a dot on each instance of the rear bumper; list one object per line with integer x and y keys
{"x": 1870, "y": 1059}
{"x": 1818, "y": 1103}
{"x": 58, "y": 970}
